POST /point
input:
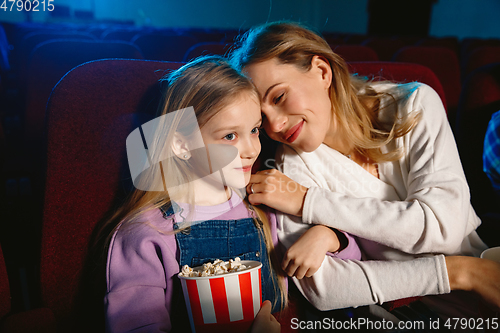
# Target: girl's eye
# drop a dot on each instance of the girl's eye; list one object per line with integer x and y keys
{"x": 230, "y": 137}
{"x": 278, "y": 99}
{"x": 255, "y": 130}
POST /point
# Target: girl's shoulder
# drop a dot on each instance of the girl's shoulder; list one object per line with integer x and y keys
{"x": 151, "y": 224}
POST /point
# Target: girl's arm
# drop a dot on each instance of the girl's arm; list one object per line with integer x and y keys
{"x": 435, "y": 216}
{"x": 307, "y": 254}
{"x": 139, "y": 281}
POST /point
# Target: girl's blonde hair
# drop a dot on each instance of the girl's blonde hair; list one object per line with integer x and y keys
{"x": 355, "y": 103}
{"x": 208, "y": 84}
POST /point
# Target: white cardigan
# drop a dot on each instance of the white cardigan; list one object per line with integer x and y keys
{"x": 419, "y": 207}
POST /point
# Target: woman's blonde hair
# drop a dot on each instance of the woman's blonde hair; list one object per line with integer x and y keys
{"x": 354, "y": 101}
{"x": 208, "y": 84}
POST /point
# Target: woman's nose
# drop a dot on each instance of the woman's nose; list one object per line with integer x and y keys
{"x": 276, "y": 121}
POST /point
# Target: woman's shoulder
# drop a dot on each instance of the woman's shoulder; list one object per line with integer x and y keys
{"x": 409, "y": 97}
{"x": 411, "y": 92}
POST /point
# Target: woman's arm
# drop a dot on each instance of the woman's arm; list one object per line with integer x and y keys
{"x": 345, "y": 283}
{"x": 357, "y": 283}
{"x": 478, "y": 275}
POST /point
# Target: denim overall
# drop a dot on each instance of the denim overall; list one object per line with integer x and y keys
{"x": 225, "y": 239}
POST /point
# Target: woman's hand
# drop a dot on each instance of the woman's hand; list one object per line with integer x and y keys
{"x": 306, "y": 255}
{"x": 474, "y": 274}
{"x": 272, "y": 188}
{"x": 265, "y": 322}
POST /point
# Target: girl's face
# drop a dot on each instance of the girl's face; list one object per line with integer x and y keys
{"x": 295, "y": 104}
{"x": 237, "y": 125}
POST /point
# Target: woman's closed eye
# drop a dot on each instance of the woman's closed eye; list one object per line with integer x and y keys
{"x": 278, "y": 99}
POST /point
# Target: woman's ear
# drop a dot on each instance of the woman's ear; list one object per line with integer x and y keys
{"x": 324, "y": 69}
{"x": 180, "y": 147}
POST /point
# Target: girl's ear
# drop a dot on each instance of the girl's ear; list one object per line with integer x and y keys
{"x": 180, "y": 147}
{"x": 324, "y": 69}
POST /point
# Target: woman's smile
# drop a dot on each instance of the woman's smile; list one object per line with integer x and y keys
{"x": 293, "y": 133}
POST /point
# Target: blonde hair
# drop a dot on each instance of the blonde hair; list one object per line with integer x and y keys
{"x": 354, "y": 102}
{"x": 208, "y": 84}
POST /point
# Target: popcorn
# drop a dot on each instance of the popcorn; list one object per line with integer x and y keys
{"x": 218, "y": 267}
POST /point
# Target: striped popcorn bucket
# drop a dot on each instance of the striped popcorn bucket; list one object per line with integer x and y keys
{"x": 223, "y": 303}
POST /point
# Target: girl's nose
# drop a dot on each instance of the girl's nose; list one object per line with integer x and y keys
{"x": 250, "y": 148}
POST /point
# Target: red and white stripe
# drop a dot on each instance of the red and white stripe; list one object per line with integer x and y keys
{"x": 222, "y": 300}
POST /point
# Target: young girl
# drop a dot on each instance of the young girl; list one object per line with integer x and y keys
{"x": 377, "y": 160}
{"x": 187, "y": 209}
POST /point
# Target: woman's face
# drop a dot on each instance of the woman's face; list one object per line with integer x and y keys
{"x": 236, "y": 125}
{"x": 295, "y": 104}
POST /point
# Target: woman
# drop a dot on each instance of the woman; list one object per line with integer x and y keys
{"x": 376, "y": 160}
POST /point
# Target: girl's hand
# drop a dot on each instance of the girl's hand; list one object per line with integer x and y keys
{"x": 306, "y": 255}
{"x": 474, "y": 274}
{"x": 265, "y": 322}
{"x": 272, "y": 188}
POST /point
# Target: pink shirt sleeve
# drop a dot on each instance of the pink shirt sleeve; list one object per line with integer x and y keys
{"x": 351, "y": 251}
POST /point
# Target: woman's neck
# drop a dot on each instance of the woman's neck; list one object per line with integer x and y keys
{"x": 337, "y": 139}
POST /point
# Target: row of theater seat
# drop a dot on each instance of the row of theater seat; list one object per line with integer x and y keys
{"x": 35, "y": 51}
{"x": 73, "y": 153}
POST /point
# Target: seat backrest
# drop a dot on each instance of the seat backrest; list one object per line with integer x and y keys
{"x": 120, "y": 34}
{"x": 480, "y": 56}
{"x": 31, "y": 40}
{"x": 166, "y": 47}
{"x": 48, "y": 63}
{"x": 469, "y": 44}
{"x": 385, "y": 47}
{"x": 206, "y": 48}
{"x": 90, "y": 113}
{"x": 444, "y": 63}
{"x": 4, "y": 288}
{"x": 480, "y": 99}
{"x": 398, "y": 72}
{"x": 4, "y": 52}
{"x": 355, "y": 52}
{"x": 450, "y": 42}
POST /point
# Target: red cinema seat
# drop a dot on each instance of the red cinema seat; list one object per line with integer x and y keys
{"x": 31, "y": 40}
{"x": 351, "y": 52}
{"x": 90, "y": 113}
{"x": 480, "y": 56}
{"x": 398, "y": 72}
{"x": 467, "y": 45}
{"x": 444, "y": 63}
{"x": 4, "y": 288}
{"x": 449, "y": 42}
{"x": 207, "y": 48}
{"x": 385, "y": 47}
{"x": 49, "y": 62}
{"x": 166, "y": 47}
